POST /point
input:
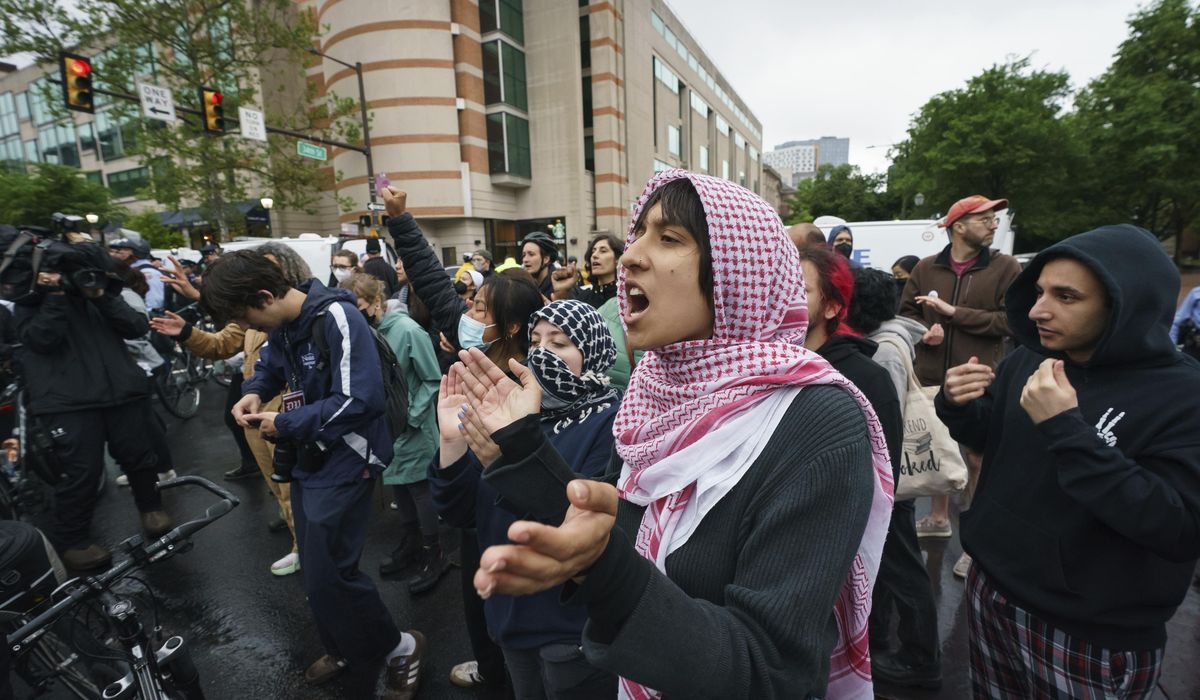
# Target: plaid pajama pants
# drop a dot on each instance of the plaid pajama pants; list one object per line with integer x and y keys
{"x": 1016, "y": 655}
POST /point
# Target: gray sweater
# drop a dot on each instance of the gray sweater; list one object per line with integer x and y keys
{"x": 745, "y": 609}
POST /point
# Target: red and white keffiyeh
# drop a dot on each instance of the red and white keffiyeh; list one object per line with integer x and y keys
{"x": 698, "y": 413}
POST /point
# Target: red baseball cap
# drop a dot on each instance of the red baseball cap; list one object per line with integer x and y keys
{"x": 975, "y": 204}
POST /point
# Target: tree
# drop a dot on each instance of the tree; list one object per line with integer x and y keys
{"x": 1141, "y": 121}
{"x": 153, "y": 230}
{"x": 236, "y": 47}
{"x": 842, "y": 191}
{"x": 1002, "y": 135}
{"x": 31, "y": 199}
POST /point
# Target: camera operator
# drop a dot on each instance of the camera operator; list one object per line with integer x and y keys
{"x": 84, "y": 390}
{"x": 333, "y": 433}
{"x": 135, "y": 251}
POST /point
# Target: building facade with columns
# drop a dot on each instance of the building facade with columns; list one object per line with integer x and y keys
{"x": 503, "y": 117}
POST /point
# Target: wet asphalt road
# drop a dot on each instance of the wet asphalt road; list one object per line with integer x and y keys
{"x": 252, "y": 635}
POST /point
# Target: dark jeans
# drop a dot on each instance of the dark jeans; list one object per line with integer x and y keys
{"x": 239, "y": 433}
{"x": 903, "y": 582}
{"x": 79, "y": 438}
{"x": 331, "y": 528}
{"x": 415, "y": 504}
{"x": 557, "y": 672}
{"x": 487, "y": 653}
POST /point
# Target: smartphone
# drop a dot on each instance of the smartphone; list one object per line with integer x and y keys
{"x": 382, "y": 181}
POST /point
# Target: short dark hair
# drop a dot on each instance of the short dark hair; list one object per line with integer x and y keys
{"x": 681, "y": 206}
{"x": 873, "y": 301}
{"x": 836, "y": 284}
{"x": 617, "y": 245}
{"x": 131, "y": 277}
{"x": 235, "y": 282}
{"x": 511, "y": 296}
{"x": 347, "y": 254}
{"x": 907, "y": 263}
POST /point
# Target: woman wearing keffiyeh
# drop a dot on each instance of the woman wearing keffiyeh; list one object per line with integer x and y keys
{"x": 736, "y": 556}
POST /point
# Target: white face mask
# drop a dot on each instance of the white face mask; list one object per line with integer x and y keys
{"x": 342, "y": 275}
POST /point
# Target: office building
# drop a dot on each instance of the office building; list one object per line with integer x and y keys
{"x": 799, "y": 160}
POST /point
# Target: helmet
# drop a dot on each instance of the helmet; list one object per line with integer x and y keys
{"x": 209, "y": 247}
{"x": 132, "y": 240}
{"x": 543, "y": 241}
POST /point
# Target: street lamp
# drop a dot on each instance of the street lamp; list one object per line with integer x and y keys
{"x": 92, "y": 219}
{"x": 267, "y": 203}
{"x": 362, "y": 103}
{"x": 919, "y": 199}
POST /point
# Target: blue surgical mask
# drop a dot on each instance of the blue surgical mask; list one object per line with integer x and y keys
{"x": 470, "y": 333}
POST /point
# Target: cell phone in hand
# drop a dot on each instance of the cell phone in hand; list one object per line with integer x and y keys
{"x": 382, "y": 181}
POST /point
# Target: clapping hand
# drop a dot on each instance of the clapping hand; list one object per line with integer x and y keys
{"x": 496, "y": 399}
{"x": 544, "y": 556}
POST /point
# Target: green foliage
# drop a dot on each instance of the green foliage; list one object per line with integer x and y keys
{"x": 152, "y": 229}
{"x": 255, "y": 53}
{"x": 31, "y": 199}
{"x": 842, "y": 191}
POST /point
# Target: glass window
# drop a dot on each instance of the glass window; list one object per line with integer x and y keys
{"x": 23, "y": 106}
{"x": 671, "y": 40}
{"x": 585, "y": 41}
{"x": 704, "y": 159}
{"x": 38, "y": 107}
{"x": 725, "y": 169}
{"x": 673, "y": 140}
{"x": 508, "y": 144}
{"x": 742, "y": 178}
{"x": 95, "y": 176}
{"x": 127, "y": 182}
{"x": 587, "y": 102}
{"x": 660, "y": 166}
{"x": 31, "y": 151}
{"x": 738, "y": 140}
{"x": 504, "y": 74}
{"x": 87, "y": 137}
{"x": 108, "y": 134}
{"x": 753, "y": 153}
{"x": 722, "y": 126}
{"x": 11, "y": 155}
{"x": 657, "y": 23}
{"x": 666, "y": 76}
{"x": 699, "y": 104}
{"x": 8, "y": 115}
{"x": 56, "y": 144}
{"x": 589, "y": 154}
{"x": 502, "y": 15}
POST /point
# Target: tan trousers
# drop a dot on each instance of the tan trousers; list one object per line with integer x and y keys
{"x": 263, "y": 454}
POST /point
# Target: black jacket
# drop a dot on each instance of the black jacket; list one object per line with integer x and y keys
{"x": 1091, "y": 519}
{"x": 429, "y": 279}
{"x": 382, "y": 271}
{"x": 73, "y": 353}
{"x": 851, "y": 356}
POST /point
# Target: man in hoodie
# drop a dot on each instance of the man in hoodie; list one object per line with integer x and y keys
{"x": 376, "y": 266}
{"x": 841, "y": 241}
{"x": 1085, "y": 528}
{"x": 903, "y": 582}
{"x": 333, "y": 420}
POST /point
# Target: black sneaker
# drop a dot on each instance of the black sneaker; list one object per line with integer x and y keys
{"x": 433, "y": 565}
{"x": 405, "y": 555}
{"x": 243, "y": 472}
{"x": 892, "y": 670}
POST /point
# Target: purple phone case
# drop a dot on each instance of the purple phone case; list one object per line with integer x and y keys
{"x": 382, "y": 181}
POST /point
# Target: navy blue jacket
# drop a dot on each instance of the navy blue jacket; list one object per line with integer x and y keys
{"x": 464, "y": 499}
{"x": 344, "y": 406}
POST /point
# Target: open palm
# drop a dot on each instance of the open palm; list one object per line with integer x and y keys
{"x": 450, "y": 402}
{"x": 496, "y": 399}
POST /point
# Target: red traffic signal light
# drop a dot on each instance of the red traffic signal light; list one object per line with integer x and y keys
{"x": 76, "y": 74}
{"x": 212, "y": 109}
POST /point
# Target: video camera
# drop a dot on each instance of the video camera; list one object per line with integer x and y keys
{"x": 28, "y": 250}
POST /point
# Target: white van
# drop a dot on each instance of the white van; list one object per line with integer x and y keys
{"x": 314, "y": 248}
{"x": 879, "y": 244}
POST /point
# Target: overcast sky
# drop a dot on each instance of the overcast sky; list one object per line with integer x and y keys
{"x": 862, "y": 68}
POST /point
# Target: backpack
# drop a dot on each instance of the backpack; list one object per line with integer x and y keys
{"x": 395, "y": 388}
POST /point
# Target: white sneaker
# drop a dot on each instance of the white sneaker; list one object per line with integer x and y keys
{"x": 962, "y": 566}
{"x": 123, "y": 480}
{"x": 286, "y": 566}
{"x": 466, "y": 675}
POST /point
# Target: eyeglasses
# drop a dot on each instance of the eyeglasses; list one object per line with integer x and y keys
{"x": 341, "y": 267}
{"x": 988, "y": 220}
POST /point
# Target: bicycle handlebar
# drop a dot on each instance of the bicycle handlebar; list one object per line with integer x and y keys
{"x": 140, "y": 555}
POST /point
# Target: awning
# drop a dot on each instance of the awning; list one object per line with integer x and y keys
{"x": 252, "y": 210}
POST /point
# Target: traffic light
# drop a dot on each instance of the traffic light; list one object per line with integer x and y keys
{"x": 211, "y": 105}
{"x": 76, "y": 72}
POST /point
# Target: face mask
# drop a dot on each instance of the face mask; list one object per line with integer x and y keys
{"x": 470, "y": 333}
{"x": 844, "y": 248}
{"x": 560, "y": 386}
{"x": 341, "y": 275}
{"x": 900, "y": 285}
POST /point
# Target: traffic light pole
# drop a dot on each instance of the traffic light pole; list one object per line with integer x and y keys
{"x": 366, "y": 129}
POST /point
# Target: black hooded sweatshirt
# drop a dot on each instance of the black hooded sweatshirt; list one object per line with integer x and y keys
{"x": 851, "y": 357}
{"x": 1091, "y": 519}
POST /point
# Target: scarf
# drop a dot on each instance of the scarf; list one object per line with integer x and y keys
{"x": 698, "y": 413}
{"x": 568, "y": 398}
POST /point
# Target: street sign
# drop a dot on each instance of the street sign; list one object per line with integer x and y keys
{"x": 376, "y": 206}
{"x": 311, "y": 150}
{"x": 252, "y": 123}
{"x": 157, "y": 102}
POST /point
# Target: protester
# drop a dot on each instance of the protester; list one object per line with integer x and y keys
{"x": 538, "y": 255}
{"x": 958, "y": 295}
{"x": 1185, "y": 328}
{"x": 467, "y": 285}
{"x": 600, "y": 264}
{"x": 343, "y": 264}
{"x": 135, "y": 251}
{"x": 209, "y": 253}
{"x": 841, "y": 240}
{"x": 413, "y": 449}
{"x": 804, "y": 235}
{"x": 737, "y": 443}
{"x": 903, "y": 583}
{"x": 482, "y": 261}
{"x": 901, "y": 269}
{"x": 228, "y": 343}
{"x": 333, "y": 421}
{"x": 570, "y": 351}
{"x": 376, "y": 266}
{"x": 1085, "y": 528}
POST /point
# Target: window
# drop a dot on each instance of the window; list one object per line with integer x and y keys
{"x": 87, "y": 137}
{"x": 504, "y": 74}
{"x": 738, "y": 140}
{"x": 508, "y": 144}
{"x": 31, "y": 151}
{"x": 585, "y": 41}
{"x": 11, "y": 156}
{"x": 37, "y": 102}
{"x": 660, "y": 166}
{"x": 704, "y": 159}
{"x": 23, "y": 106}
{"x": 94, "y": 176}
{"x": 502, "y": 15}
{"x": 589, "y": 154}
{"x": 722, "y": 126}
{"x": 673, "y": 140}
{"x": 108, "y": 134}
{"x": 127, "y": 182}
{"x": 725, "y": 169}
{"x": 699, "y": 104}
{"x": 753, "y": 153}
{"x": 657, "y": 23}
{"x": 57, "y": 145}
{"x": 8, "y": 115}
{"x": 742, "y": 178}
{"x": 666, "y": 76}
{"x": 587, "y": 102}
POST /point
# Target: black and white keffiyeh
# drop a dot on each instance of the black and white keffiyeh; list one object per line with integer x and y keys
{"x": 568, "y": 398}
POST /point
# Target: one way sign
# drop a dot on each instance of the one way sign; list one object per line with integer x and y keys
{"x": 157, "y": 102}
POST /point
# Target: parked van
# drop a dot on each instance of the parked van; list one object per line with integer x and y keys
{"x": 878, "y": 244}
{"x": 315, "y": 249}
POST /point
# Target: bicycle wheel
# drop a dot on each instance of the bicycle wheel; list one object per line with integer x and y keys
{"x": 175, "y": 388}
{"x": 50, "y": 659}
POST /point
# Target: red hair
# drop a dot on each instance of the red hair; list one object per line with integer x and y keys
{"x": 836, "y": 282}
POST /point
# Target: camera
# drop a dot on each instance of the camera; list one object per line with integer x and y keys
{"x": 29, "y": 250}
{"x": 291, "y": 455}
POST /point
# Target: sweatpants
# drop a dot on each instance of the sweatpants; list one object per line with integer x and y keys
{"x": 331, "y": 528}
{"x": 904, "y": 583}
{"x": 415, "y": 505}
{"x": 79, "y": 438}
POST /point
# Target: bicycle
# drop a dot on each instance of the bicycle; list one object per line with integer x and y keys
{"x": 165, "y": 673}
{"x": 177, "y": 381}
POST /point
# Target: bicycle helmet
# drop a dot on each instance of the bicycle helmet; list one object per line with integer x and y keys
{"x": 132, "y": 240}
{"x": 543, "y": 241}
